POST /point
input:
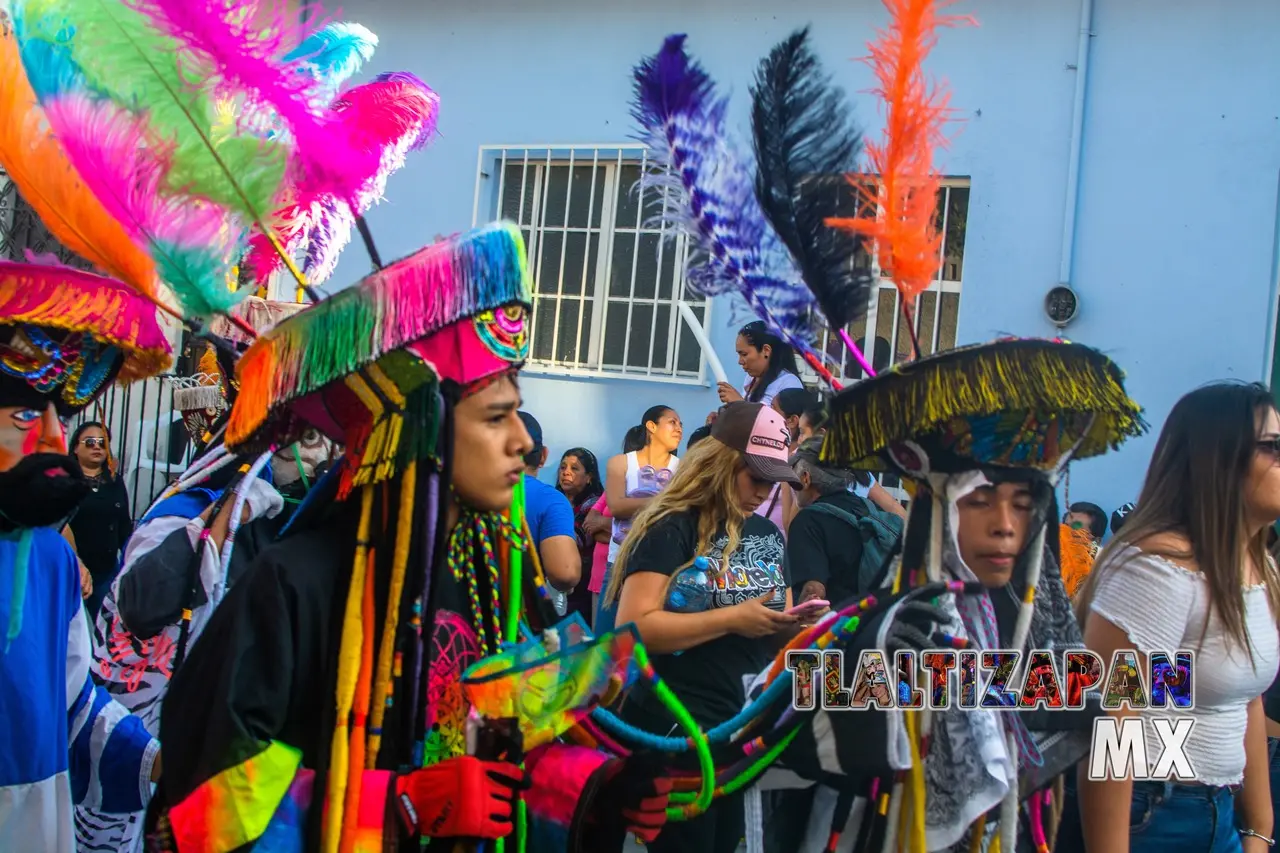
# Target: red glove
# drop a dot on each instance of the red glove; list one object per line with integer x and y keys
{"x": 643, "y": 801}
{"x": 461, "y": 797}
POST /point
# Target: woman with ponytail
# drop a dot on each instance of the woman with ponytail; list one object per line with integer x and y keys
{"x": 633, "y": 478}
{"x": 769, "y": 362}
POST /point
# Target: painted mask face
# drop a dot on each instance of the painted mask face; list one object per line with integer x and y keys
{"x": 313, "y": 450}
{"x": 26, "y": 431}
{"x": 40, "y": 483}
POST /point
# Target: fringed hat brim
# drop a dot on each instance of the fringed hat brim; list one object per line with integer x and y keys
{"x": 410, "y": 300}
{"x": 61, "y": 297}
{"x": 1066, "y": 396}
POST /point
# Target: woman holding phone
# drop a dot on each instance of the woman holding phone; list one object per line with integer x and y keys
{"x": 707, "y": 510}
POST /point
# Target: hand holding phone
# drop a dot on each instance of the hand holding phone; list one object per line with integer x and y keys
{"x": 808, "y": 608}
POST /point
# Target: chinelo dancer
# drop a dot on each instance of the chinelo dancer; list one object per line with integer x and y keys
{"x": 326, "y": 696}
{"x": 65, "y": 335}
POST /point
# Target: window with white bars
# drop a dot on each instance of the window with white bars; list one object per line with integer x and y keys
{"x": 606, "y": 279}
{"x": 882, "y": 334}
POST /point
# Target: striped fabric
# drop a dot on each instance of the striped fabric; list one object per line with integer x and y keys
{"x": 64, "y": 741}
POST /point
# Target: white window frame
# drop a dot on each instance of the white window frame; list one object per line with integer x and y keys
{"x": 491, "y": 168}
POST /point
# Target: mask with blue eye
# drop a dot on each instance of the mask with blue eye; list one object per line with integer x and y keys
{"x": 691, "y": 590}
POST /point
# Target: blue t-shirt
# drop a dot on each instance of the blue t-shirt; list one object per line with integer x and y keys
{"x": 549, "y": 512}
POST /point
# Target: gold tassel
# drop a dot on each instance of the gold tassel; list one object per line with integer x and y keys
{"x": 349, "y": 652}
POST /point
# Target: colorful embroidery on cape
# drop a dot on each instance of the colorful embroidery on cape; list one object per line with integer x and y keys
{"x": 238, "y": 805}
{"x": 550, "y": 692}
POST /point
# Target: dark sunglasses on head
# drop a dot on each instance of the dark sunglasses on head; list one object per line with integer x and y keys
{"x": 94, "y": 442}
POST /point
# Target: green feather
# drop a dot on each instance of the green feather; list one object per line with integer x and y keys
{"x": 126, "y": 59}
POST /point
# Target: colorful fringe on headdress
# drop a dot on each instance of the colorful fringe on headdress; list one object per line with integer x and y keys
{"x": 410, "y": 300}
{"x": 901, "y": 190}
{"x": 1037, "y": 383}
{"x": 64, "y": 298}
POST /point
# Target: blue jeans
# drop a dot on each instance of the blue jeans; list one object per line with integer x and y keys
{"x": 606, "y": 617}
{"x": 1273, "y": 754}
{"x": 1166, "y": 817}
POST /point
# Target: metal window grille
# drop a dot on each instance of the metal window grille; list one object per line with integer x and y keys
{"x": 606, "y": 279}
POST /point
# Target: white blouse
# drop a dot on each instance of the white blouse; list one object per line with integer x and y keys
{"x": 786, "y": 379}
{"x": 1161, "y": 606}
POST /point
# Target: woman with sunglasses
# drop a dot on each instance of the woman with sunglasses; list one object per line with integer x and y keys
{"x": 104, "y": 520}
{"x": 1196, "y": 547}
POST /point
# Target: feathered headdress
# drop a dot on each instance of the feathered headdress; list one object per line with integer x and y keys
{"x": 707, "y": 193}
{"x": 805, "y": 141}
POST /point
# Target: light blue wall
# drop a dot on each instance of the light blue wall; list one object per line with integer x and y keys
{"x": 1178, "y": 208}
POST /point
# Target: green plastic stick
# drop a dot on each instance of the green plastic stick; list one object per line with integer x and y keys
{"x": 691, "y": 728}
{"x": 516, "y": 573}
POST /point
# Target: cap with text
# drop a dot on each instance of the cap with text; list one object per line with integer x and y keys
{"x": 761, "y": 435}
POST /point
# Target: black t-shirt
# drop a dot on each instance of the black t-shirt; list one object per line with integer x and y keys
{"x": 708, "y": 678}
{"x": 826, "y": 548}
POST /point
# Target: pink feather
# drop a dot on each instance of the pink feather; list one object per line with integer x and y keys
{"x": 108, "y": 147}
{"x": 242, "y": 43}
{"x": 389, "y": 117}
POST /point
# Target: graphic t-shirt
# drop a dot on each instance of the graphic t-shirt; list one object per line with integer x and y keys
{"x": 708, "y": 677}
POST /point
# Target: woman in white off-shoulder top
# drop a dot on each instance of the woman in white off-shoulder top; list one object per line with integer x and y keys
{"x": 1191, "y": 572}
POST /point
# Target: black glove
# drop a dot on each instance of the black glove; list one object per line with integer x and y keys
{"x": 630, "y": 796}
{"x": 914, "y": 627}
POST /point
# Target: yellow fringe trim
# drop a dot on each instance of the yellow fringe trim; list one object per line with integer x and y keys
{"x": 916, "y": 399}
{"x": 348, "y": 673}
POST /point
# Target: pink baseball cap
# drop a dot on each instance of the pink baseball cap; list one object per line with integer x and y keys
{"x": 761, "y": 435}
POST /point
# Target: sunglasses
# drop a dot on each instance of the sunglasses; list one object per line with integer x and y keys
{"x": 1270, "y": 446}
{"x": 94, "y": 442}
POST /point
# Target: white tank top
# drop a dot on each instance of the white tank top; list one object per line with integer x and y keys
{"x": 642, "y": 481}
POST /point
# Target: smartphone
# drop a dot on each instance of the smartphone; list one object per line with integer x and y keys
{"x": 808, "y": 608}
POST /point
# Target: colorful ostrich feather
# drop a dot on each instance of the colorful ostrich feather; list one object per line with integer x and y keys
{"x": 901, "y": 191}
{"x": 333, "y": 55}
{"x": 121, "y": 56}
{"x": 391, "y": 116}
{"x": 240, "y": 44}
{"x": 35, "y": 161}
{"x": 708, "y": 193}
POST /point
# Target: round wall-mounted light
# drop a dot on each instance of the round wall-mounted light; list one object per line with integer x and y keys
{"x": 1061, "y": 305}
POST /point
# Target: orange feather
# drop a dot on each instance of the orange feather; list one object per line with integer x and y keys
{"x": 36, "y": 162}
{"x": 1076, "y": 557}
{"x": 899, "y": 196}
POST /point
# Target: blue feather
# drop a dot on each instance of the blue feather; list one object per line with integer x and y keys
{"x": 708, "y": 193}
{"x": 46, "y": 59}
{"x": 333, "y": 54}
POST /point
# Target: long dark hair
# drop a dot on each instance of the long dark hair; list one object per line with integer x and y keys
{"x": 651, "y": 416}
{"x": 782, "y": 358}
{"x": 594, "y": 487}
{"x": 109, "y": 467}
{"x": 1195, "y": 487}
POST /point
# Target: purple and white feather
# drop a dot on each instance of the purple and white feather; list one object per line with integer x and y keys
{"x": 705, "y": 191}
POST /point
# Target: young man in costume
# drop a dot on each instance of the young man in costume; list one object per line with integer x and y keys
{"x": 324, "y": 702}
{"x": 64, "y": 337}
{"x": 985, "y": 462}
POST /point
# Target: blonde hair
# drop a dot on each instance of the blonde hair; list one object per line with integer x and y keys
{"x": 706, "y": 481}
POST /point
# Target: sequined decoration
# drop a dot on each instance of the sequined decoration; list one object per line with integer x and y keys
{"x": 78, "y": 363}
{"x": 505, "y": 332}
